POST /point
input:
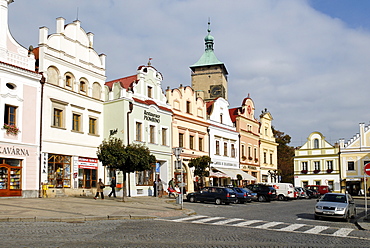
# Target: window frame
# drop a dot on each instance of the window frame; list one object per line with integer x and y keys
{"x": 10, "y": 117}
{"x": 93, "y": 124}
{"x": 76, "y": 122}
{"x": 138, "y": 131}
{"x": 152, "y": 134}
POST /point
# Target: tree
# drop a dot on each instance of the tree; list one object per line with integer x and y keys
{"x": 201, "y": 167}
{"x": 134, "y": 157}
{"x": 285, "y": 156}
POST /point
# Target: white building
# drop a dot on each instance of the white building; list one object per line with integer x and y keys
{"x": 72, "y": 110}
{"x": 20, "y": 112}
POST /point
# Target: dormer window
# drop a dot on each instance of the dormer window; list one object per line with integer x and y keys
{"x": 315, "y": 143}
{"x": 150, "y": 91}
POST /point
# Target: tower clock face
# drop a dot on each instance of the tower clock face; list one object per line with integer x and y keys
{"x": 216, "y": 90}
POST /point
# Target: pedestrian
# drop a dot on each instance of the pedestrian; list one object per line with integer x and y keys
{"x": 155, "y": 188}
{"x": 160, "y": 188}
{"x": 113, "y": 186}
{"x": 99, "y": 189}
{"x": 171, "y": 183}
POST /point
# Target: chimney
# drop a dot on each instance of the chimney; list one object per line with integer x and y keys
{"x": 90, "y": 36}
{"x": 43, "y": 35}
{"x": 60, "y": 25}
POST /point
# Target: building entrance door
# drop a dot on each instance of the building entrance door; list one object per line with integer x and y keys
{"x": 87, "y": 178}
{"x": 10, "y": 180}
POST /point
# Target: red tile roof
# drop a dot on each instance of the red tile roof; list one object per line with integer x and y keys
{"x": 151, "y": 102}
{"x": 18, "y": 67}
{"x": 125, "y": 82}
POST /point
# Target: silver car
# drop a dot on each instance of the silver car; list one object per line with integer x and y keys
{"x": 335, "y": 205}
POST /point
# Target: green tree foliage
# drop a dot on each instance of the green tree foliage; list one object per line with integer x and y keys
{"x": 285, "y": 156}
{"x": 134, "y": 157}
{"x": 201, "y": 167}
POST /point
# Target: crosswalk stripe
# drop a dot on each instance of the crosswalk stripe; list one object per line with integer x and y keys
{"x": 269, "y": 224}
{"x": 190, "y": 218}
{"x": 343, "y": 232}
{"x": 316, "y": 229}
{"x": 207, "y": 219}
{"x": 291, "y": 227}
{"x": 247, "y": 223}
{"x": 223, "y": 222}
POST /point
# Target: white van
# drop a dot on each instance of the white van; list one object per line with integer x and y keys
{"x": 284, "y": 191}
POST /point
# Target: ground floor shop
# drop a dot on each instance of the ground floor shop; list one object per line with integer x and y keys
{"x": 18, "y": 171}
{"x": 332, "y": 180}
{"x": 229, "y": 176}
{"x": 356, "y": 186}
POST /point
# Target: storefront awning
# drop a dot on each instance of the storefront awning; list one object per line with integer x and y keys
{"x": 232, "y": 173}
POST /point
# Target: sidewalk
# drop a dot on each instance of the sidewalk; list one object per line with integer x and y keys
{"x": 84, "y": 209}
{"x": 363, "y": 222}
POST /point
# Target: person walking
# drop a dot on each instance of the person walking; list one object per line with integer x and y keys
{"x": 171, "y": 183}
{"x": 99, "y": 189}
{"x": 113, "y": 186}
{"x": 160, "y": 188}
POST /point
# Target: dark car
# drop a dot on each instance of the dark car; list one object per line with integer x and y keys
{"x": 217, "y": 195}
{"x": 244, "y": 195}
{"x": 311, "y": 193}
{"x": 264, "y": 192}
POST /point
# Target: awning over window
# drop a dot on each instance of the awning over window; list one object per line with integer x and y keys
{"x": 232, "y": 173}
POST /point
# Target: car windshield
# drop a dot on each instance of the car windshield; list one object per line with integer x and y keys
{"x": 229, "y": 190}
{"x": 334, "y": 198}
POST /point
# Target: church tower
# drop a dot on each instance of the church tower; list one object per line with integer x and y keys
{"x": 209, "y": 75}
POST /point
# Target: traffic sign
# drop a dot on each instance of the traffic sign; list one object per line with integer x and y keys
{"x": 367, "y": 169}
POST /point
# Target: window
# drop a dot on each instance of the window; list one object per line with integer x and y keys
{"x": 255, "y": 153}
{"x": 249, "y": 153}
{"x": 144, "y": 177}
{"x": 96, "y": 90}
{"x": 82, "y": 86}
{"x": 317, "y": 165}
{"x": 304, "y": 184}
{"x": 304, "y": 166}
{"x": 150, "y": 89}
{"x": 315, "y": 143}
{"x": 164, "y": 136}
{"x": 58, "y": 118}
{"x": 265, "y": 157}
{"x": 59, "y": 171}
{"x": 221, "y": 119}
{"x": 225, "y": 149}
{"x": 92, "y": 126}
{"x": 191, "y": 142}
{"x": 243, "y": 151}
{"x": 271, "y": 158}
{"x": 76, "y": 122}
{"x": 10, "y": 115}
{"x": 152, "y": 134}
{"x": 217, "y": 147}
{"x": 181, "y": 140}
{"x": 331, "y": 185}
{"x": 318, "y": 182}
{"x": 138, "y": 131}
{"x": 351, "y": 165}
{"x": 200, "y": 144}
{"x": 233, "y": 151}
{"x": 68, "y": 81}
{"x": 188, "y": 107}
{"x": 329, "y": 165}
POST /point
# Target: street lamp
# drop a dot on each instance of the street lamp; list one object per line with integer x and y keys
{"x": 177, "y": 151}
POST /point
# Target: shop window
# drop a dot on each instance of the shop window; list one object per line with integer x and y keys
{"x": 144, "y": 178}
{"x": 10, "y": 177}
{"x": 304, "y": 184}
{"x": 331, "y": 185}
{"x": 59, "y": 171}
{"x": 76, "y": 122}
{"x": 10, "y": 115}
{"x": 318, "y": 182}
{"x": 58, "y": 118}
{"x": 152, "y": 134}
{"x": 200, "y": 144}
{"x": 164, "y": 136}
{"x": 138, "y": 131}
{"x": 92, "y": 126}
{"x": 191, "y": 142}
{"x": 87, "y": 178}
{"x": 351, "y": 165}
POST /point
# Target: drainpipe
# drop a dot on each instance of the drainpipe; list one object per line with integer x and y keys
{"x": 209, "y": 154}
{"x": 42, "y": 82}
{"x": 130, "y": 106}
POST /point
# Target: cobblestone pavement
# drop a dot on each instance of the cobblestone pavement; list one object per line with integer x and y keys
{"x": 159, "y": 233}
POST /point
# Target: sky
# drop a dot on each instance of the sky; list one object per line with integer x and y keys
{"x": 306, "y": 61}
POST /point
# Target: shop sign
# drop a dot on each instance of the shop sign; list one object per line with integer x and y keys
{"x": 149, "y": 116}
{"x": 252, "y": 167}
{"x": 88, "y": 163}
{"x": 12, "y": 150}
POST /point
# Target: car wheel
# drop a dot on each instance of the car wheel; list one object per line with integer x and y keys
{"x": 347, "y": 218}
{"x": 192, "y": 199}
{"x": 261, "y": 198}
{"x": 237, "y": 201}
{"x": 281, "y": 198}
{"x": 249, "y": 201}
{"x": 218, "y": 201}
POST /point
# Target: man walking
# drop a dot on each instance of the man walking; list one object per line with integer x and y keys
{"x": 113, "y": 186}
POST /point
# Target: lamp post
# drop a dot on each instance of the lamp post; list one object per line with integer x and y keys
{"x": 130, "y": 107}
{"x": 177, "y": 151}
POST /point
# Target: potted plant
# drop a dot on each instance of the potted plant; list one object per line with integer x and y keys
{"x": 11, "y": 129}
{"x": 244, "y": 157}
{"x": 329, "y": 170}
{"x": 316, "y": 171}
{"x": 304, "y": 171}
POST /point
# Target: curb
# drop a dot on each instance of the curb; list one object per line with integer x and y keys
{"x": 76, "y": 219}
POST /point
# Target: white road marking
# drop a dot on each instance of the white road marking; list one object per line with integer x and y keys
{"x": 207, "y": 219}
{"x": 343, "y": 232}
{"x": 269, "y": 224}
{"x": 291, "y": 227}
{"x": 190, "y": 218}
{"x": 223, "y": 222}
{"x": 316, "y": 229}
{"x": 247, "y": 223}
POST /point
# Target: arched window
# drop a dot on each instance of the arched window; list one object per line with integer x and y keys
{"x": 96, "y": 91}
{"x": 83, "y": 86}
{"x": 316, "y": 143}
{"x": 69, "y": 80}
{"x": 53, "y": 75}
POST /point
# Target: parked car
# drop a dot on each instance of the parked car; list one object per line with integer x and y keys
{"x": 264, "y": 192}
{"x": 321, "y": 189}
{"x": 217, "y": 195}
{"x": 335, "y": 205}
{"x": 302, "y": 193}
{"x": 251, "y": 194}
{"x": 243, "y": 195}
{"x": 296, "y": 194}
{"x": 311, "y": 193}
{"x": 284, "y": 191}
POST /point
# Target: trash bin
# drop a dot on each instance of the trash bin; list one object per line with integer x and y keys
{"x": 179, "y": 199}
